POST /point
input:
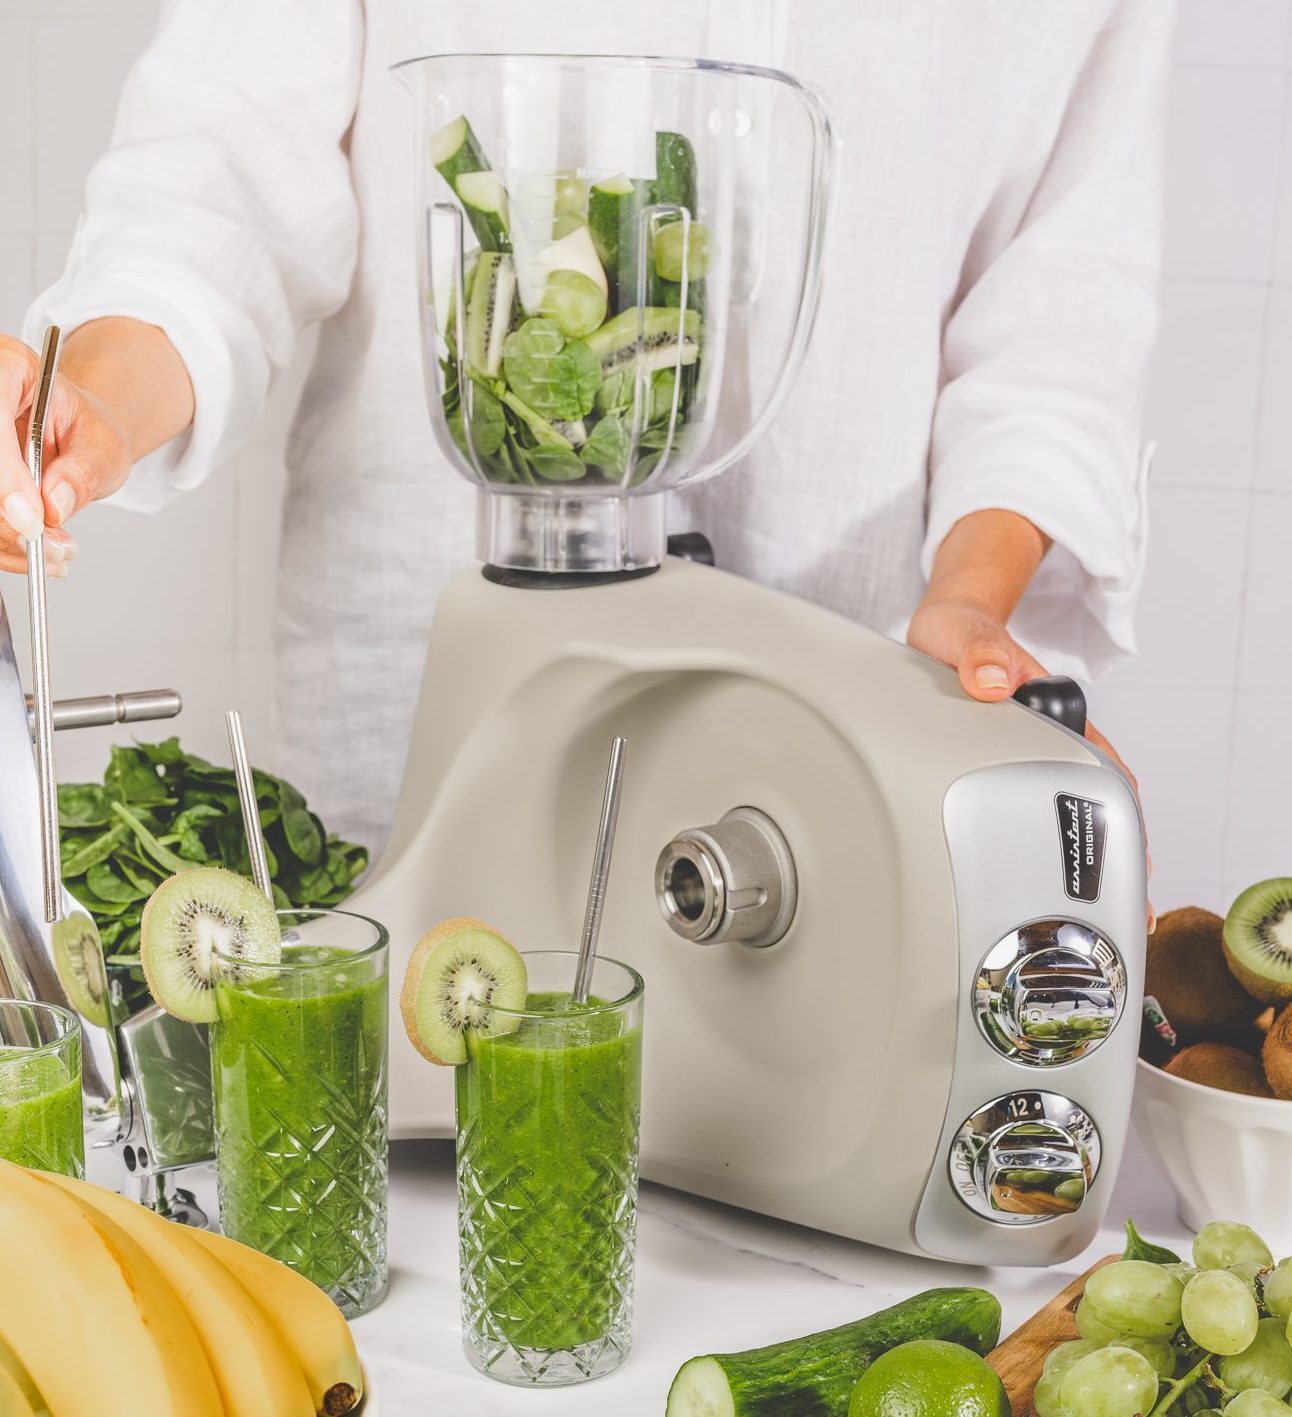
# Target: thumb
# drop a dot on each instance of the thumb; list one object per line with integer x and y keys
{"x": 993, "y": 664}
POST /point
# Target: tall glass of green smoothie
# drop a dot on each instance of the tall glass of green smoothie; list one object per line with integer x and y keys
{"x": 41, "y": 1121}
{"x": 548, "y": 1118}
{"x": 298, "y": 1061}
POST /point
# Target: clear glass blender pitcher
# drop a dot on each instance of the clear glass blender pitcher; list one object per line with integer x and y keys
{"x": 620, "y": 263}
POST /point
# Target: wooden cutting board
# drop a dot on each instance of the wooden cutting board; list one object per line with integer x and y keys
{"x": 1020, "y": 1358}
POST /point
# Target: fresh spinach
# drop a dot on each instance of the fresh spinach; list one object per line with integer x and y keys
{"x": 1138, "y": 1248}
{"x": 556, "y": 377}
{"x": 160, "y": 810}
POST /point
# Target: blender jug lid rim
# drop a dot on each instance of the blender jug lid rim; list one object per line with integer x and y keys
{"x": 680, "y": 63}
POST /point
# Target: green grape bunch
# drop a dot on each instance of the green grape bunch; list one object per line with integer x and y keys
{"x": 1163, "y": 1337}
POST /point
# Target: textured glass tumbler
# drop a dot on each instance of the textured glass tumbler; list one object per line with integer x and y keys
{"x": 299, "y": 1067}
{"x": 548, "y": 1120}
{"x": 41, "y": 1121}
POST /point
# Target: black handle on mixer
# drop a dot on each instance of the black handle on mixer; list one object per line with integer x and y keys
{"x": 1057, "y": 697}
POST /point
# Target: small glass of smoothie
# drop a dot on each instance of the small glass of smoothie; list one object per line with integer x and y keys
{"x": 298, "y": 1063}
{"x": 41, "y": 1122}
{"x": 548, "y": 1118}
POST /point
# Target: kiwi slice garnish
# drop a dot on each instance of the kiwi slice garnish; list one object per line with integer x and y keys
{"x": 458, "y": 975}
{"x": 187, "y": 918}
{"x": 78, "y": 961}
{"x": 1258, "y": 940}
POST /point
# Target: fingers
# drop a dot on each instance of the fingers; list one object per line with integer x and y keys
{"x": 20, "y": 504}
{"x": 58, "y": 558}
{"x": 992, "y": 665}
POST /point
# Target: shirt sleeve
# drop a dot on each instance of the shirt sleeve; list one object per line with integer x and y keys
{"x": 1046, "y": 352}
{"x": 223, "y": 211}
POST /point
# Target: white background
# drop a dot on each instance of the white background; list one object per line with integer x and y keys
{"x": 1204, "y": 716}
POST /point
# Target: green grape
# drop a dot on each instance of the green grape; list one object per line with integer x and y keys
{"x": 1255, "y": 1403}
{"x": 1266, "y": 1363}
{"x": 1222, "y": 1243}
{"x": 1136, "y": 1297}
{"x": 1219, "y": 1312}
{"x": 1091, "y": 1327}
{"x": 1059, "y": 1360}
{"x": 1278, "y": 1291}
{"x": 1114, "y": 1382}
{"x": 1045, "y": 1400}
{"x": 1183, "y": 1272}
{"x": 1158, "y": 1351}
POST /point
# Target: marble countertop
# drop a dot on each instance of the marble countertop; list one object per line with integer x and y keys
{"x": 709, "y": 1279}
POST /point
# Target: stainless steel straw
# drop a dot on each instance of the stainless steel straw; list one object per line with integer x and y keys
{"x": 600, "y": 871}
{"x": 250, "y": 806}
{"x": 46, "y": 777}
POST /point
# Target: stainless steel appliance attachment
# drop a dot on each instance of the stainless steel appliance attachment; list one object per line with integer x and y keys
{"x": 146, "y": 1084}
{"x": 734, "y": 880}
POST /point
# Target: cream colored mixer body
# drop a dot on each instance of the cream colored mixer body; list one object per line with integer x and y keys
{"x": 937, "y": 1054}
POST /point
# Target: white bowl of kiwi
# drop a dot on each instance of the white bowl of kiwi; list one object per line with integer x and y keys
{"x": 1213, "y": 1101}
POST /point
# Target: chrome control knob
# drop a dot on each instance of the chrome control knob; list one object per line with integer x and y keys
{"x": 1025, "y": 1159}
{"x": 734, "y": 880}
{"x": 1049, "y": 992}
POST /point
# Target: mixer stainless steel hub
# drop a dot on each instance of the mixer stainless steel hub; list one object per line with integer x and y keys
{"x": 734, "y": 880}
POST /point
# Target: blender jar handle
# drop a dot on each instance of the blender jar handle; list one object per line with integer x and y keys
{"x": 824, "y": 146}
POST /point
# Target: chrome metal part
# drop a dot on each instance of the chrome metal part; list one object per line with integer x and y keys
{"x": 1049, "y": 992}
{"x": 734, "y": 880}
{"x": 103, "y": 710}
{"x": 46, "y": 774}
{"x": 1025, "y": 1159}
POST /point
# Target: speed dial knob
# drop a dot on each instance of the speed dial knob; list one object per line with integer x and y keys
{"x": 1049, "y": 992}
{"x": 1025, "y": 1159}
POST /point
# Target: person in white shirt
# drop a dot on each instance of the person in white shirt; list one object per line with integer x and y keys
{"x": 985, "y": 326}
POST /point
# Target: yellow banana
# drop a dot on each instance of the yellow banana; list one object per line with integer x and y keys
{"x": 89, "y": 1315}
{"x": 306, "y": 1320}
{"x": 258, "y": 1376}
{"x": 18, "y": 1395}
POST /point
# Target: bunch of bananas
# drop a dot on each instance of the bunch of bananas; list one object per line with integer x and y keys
{"x": 108, "y": 1310}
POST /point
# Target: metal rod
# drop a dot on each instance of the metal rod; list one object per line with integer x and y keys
{"x": 250, "y": 807}
{"x": 102, "y": 710}
{"x": 600, "y": 871}
{"x": 46, "y": 773}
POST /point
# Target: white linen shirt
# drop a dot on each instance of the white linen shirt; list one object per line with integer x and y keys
{"x": 988, "y": 309}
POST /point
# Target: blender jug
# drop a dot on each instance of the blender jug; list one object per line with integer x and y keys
{"x": 600, "y": 237}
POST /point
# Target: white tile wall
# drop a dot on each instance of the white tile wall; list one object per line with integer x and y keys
{"x": 1205, "y": 389}
{"x": 1203, "y": 716}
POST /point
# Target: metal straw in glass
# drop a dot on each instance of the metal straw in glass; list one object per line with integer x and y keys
{"x": 600, "y": 871}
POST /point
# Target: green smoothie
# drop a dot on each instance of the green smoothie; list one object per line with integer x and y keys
{"x": 547, "y": 1173}
{"x": 40, "y": 1112}
{"x": 298, "y": 1059}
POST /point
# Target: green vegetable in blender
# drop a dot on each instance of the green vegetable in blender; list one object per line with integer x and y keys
{"x": 460, "y": 160}
{"x": 157, "y": 806}
{"x": 816, "y": 1375}
{"x": 555, "y": 378}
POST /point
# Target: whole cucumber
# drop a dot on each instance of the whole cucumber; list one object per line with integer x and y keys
{"x": 815, "y": 1376}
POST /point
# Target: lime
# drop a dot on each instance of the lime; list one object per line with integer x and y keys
{"x": 929, "y": 1378}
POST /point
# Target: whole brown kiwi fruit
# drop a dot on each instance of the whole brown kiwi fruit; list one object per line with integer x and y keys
{"x": 1221, "y": 1065}
{"x": 1187, "y": 974}
{"x": 1277, "y": 1055}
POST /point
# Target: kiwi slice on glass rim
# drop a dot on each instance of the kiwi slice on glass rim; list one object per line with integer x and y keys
{"x": 1258, "y": 940}
{"x": 78, "y": 962}
{"x": 456, "y": 977}
{"x": 187, "y": 918}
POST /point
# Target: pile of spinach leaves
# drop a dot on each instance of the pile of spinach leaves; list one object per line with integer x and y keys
{"x": 160, "y": 810}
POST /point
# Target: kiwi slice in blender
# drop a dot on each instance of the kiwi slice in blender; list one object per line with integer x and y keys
{"x": 457, "y": 976}
{"x": 78, "y": 961}
{"x": 189, "y": 916}
{"x": 1258, "y": 940}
